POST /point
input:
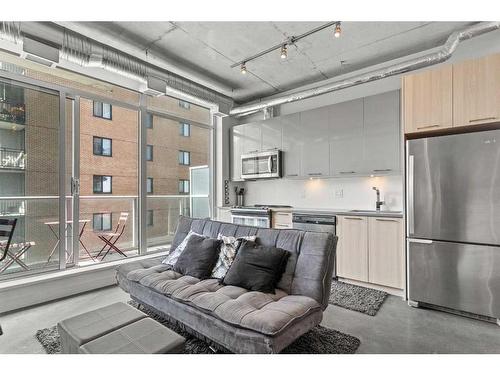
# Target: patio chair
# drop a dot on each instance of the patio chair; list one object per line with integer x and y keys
{"x": 111, "y": 238}
{"x": 5, "y": 244}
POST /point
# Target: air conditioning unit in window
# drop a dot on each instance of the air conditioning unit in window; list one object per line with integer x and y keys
{"x": 155, "y": 87}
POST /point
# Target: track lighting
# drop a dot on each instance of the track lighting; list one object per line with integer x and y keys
{"x": 338, "y": 31}
{"x": 243, "y": 68}
{"x": 284, "y": 51}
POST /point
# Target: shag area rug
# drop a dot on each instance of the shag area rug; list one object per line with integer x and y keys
{"x": 357, "y": 298}
{"x": 319, "y": 340}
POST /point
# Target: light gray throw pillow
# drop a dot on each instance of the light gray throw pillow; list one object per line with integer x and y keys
{"x": 227, "y": 254}
{"x": 172, "y": 257}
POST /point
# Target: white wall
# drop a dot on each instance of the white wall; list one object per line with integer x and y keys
{"x": 356, "y": 192}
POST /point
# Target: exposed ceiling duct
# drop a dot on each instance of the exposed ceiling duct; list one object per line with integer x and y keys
{"x": 85, "y": 52}
{"x": 443, "y": 54}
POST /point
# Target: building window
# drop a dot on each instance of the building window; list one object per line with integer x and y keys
{"x": 184, "y": 157}
{"x": 183, "y": 186}
{"x": 150, "y": 218}
{"x": 149, "y": 153}
{"x": 102, "y": 221}
{"x": 184, "y": 129}
{"x": 149, "y": 185}
{"x": 102, "y": 184}
{"x": 184, "y": 104}
{"x": 149, "y": 120}
{"x": 103, "y": 110}
{"x": 102, "y": 146}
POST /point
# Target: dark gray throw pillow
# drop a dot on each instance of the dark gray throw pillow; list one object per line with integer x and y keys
{"x": 199, "y": 257}
{"x": 257, "y": 268}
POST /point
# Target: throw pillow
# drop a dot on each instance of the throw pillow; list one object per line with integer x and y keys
{"x": 199, "y": 257}
{"x": 227, "y": 254}
{"x": 257, "y": 268}
{"x": 172, "y": 257}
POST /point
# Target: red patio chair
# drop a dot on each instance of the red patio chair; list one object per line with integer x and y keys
{"x": 111, "y": 238}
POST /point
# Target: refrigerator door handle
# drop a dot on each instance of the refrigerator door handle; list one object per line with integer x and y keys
{"x": 411, "y": 186}
{"x": 418, "y": 240}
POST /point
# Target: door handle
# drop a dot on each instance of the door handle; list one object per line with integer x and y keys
{"x": 418, "y": 240}
{"x": 411, "y": 192}
{"x": 483, "y": 119}
{"x": 353, "y": 218}
{"x": 393, "y": 220}
{"x": 428, "y": 126}
{"x": 315, "y": 174}
{"x": 347, "y": 172}
{"x": 382, "y": 170}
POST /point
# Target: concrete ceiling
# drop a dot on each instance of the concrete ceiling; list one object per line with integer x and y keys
{"x": 210, "y": 48}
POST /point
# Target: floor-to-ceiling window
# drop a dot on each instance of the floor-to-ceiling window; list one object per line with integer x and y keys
{"x": 102, "y": 199}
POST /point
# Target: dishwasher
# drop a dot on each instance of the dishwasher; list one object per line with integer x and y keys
{"x": 317, "y": 223}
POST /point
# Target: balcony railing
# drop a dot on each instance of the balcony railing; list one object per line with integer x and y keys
{"x": 12, "y": 159}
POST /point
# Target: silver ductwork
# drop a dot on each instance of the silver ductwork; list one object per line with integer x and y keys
{"x": 443, "y": 54}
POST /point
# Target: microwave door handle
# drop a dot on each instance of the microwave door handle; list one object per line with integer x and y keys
{"x": 270, "y": 164}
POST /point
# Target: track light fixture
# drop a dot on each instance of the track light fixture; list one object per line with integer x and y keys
{"x": 284, "y": 52}
{"x": 243, "y": 68}
{"x": 338, "y": 31}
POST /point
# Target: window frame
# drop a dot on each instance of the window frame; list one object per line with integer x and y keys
{"x": 149, "y": 147}
{"x": 183, "y": 152}
{"x": 182, "y": 127}
{"x": 149, "y": 123}
{"x": 102, "y": 184}
{"x": 102, "y": 148}
{"x": 184, "y": 182}
{"x": 184, "y": 104}
{"x": 148, "y": 190}
{"x": 101, "y": 105}
{"x": 150, "y": 221}
{"x": 101, "y": 214}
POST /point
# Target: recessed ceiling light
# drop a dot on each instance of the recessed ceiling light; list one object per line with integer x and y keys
{"x": 243, "y": 68}
{"x": 338, "y": 31}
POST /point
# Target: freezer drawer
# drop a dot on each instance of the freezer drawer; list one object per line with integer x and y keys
{"x": 459, "y": 276}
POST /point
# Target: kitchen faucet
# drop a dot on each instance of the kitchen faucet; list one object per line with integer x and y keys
{"x": 379, "y": 202}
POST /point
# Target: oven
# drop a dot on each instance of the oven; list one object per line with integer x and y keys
{"x": 257, "y": 165}
{"x": 253, "y": 216}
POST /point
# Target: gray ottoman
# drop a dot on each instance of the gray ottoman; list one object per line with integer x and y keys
{"x": 145, "y": 336}
{"x": 83, "y": 328}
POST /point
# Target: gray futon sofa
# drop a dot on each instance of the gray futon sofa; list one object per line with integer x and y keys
{"x": 231, "y": 317}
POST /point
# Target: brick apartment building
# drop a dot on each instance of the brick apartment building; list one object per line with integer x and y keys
{"x": 109, "y": 159}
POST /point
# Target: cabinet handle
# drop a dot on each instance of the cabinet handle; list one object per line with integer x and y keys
{"x": 428, "y": 126}
{"x": 483, "y": 119}
{"x": 347, "y": 172}
{"x": 282, "y": 226}
{"x": 253, "y": 151}
{"x": 292, "y": 175}
{"x": 315, "y": 174}
{"x": 353, "y": 218}
{"x": 386, "y": 220}
{"x": 283, "y": 213}
{"x": 382, "y": 170}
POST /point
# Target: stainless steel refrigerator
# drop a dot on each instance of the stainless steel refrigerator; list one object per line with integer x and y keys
{"x": 453, "y": 222}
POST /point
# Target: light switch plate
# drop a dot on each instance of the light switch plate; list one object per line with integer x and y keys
{"x": 339, "y": 193}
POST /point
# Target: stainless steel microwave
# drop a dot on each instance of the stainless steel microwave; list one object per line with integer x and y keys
{"x": 266, "y": 164}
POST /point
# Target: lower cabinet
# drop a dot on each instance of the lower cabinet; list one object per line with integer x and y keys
{"x": 370, "y": 249}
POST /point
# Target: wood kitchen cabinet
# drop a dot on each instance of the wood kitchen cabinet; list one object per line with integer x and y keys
{"x": 316, "y": 150}
{"x": 476, "y": 91}
{"x": 427, "y": 100}
{"x": 385, "y": 252}
{"x": 352, "y": 247}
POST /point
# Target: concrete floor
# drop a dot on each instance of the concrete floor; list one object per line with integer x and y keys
{"x": 397, "y": 328}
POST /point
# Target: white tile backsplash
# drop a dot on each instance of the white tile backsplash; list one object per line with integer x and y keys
{"x": 354, "y": 193}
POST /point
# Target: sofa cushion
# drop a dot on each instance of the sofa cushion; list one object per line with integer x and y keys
{"x": 266, "y": 313}
{"x": 199, "y": 257}
{"x": 257, "y": 268}
{"x": 176, "y": 252}
{"x": 227, "y": 254}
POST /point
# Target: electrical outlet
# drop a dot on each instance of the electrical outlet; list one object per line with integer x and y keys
{"x": 339, "y": 193}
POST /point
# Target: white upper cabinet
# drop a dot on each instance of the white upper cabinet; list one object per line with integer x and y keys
{"x": 251, "y": 138}
{"x": 236, "y": 151}
{"x": 346, "y": 138}
{"x": 381, "y": 133}
{"x": 271, "y": 131}
{"x": 293, "y": 144}
{"x": 316, "y": 152}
